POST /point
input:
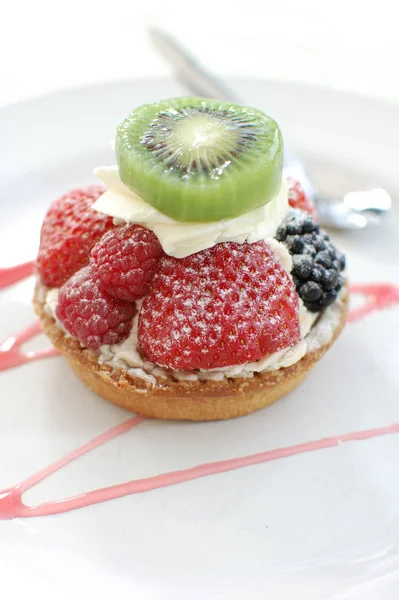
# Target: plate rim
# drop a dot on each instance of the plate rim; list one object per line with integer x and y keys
{"x": 56, "y": 95}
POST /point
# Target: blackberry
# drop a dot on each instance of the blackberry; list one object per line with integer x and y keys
{"x": 323, "y": 258}
{"x": 302, "y": 266}
{"x": 316, "y": 263}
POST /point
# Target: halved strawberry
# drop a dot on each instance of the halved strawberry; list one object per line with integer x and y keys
{"x": 69, "y": 231}
{"x": 227, "y": 305}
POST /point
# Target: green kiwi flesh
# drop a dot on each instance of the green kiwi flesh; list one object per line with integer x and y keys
{"x": 200, "y": 160}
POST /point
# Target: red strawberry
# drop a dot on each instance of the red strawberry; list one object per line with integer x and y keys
{"x": 297, "y": 198}
{"x": 90, "y": 314}
{"x": 69, "y": 231}
{"x": 227, "y": 305}
{"x": 125, "y": 260}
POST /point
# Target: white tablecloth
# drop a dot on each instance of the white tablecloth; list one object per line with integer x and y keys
{"x": 352, "y": 45}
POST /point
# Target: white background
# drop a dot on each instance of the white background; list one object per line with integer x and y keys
{"x": 45, "y": 46}
{"x": 353, "y": 45}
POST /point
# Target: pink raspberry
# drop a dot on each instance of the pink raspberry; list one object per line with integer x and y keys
{"x": 125, "y": 261}
{"x": 228, "y": 305}
{"x": 90, "y": 314}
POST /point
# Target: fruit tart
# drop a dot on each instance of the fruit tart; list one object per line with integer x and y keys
{"x": 194, "y": 282}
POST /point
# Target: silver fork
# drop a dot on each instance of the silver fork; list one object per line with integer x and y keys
{"x": 354, "y": 211}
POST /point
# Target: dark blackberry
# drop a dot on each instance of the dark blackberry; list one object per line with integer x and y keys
{"x": 329, "y": 279}
{"x": 297, "y": 222}
{"x": 326, "y": 299}
{"x": 339, "y": 263}
{"x": 342, "y": 260}
{"x": 302, "y": 266}
{"x": 316, "y": 263}
{"x": 309, "y": 226}
{"x": 311, "y": 290}
{"x": 317, "y": 273}
{"x": 336, "y": 264}
{"x": 319, "y": 243}
{"x": 293, "y": 228}
{"x": 296, "y": 245}
{"x": 323, "y": 258}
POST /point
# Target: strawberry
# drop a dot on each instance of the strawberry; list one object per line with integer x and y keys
{"x": 70, "y": 229}
{"x": 297, "y": 198}
{"x": 227, "y": 305}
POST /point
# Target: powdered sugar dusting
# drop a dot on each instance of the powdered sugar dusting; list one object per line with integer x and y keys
{"x": 314, "y": 335}
{"x": 125, "y": 260}
{"x": 89, "y": 314}
{"x": 228, "y": 305}
{"x": 70, "y": 229}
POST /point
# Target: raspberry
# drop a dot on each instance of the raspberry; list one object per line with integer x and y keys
{"x": 297, "y": 198}
{"x": 227, "y": 305}
{"x": 90, "y": 314}
{"x": 125, "y": 261}
{"x": 316, "y": 263}
{"x": 69, "y": 231}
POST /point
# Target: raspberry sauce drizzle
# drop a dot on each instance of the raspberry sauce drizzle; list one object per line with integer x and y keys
{"x": 11, "y": 275}
{"x": 11, "y": 354}
{"x": 11, "y": 505}
{"x": 378, "y": 297}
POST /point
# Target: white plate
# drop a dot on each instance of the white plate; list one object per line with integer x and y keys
{"x": 313, "y": 526}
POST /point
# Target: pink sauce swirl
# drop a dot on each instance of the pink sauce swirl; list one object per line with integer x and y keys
{"x": 11, "y": 354}
{"x": 377, "y": 297}
{"x": 11, "y": 505}
{"x": 11, "y": 275}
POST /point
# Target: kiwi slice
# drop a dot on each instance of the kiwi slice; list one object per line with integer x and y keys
{"x": 200, "y": 160}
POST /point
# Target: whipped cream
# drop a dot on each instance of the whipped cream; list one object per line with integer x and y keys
{"x": 316, "y": 329}
{"x": 51, "y": 303}
{"x": 182, "y": 239}
{"x": 126, "y": 356}
{"x": 50, "y": 307}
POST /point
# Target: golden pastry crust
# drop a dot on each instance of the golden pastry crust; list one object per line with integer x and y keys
{"x": 184, "y": 400}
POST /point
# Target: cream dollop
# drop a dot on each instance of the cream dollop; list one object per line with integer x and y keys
{"x": 126, "y": 355}
{"x": 182, "y": 239}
